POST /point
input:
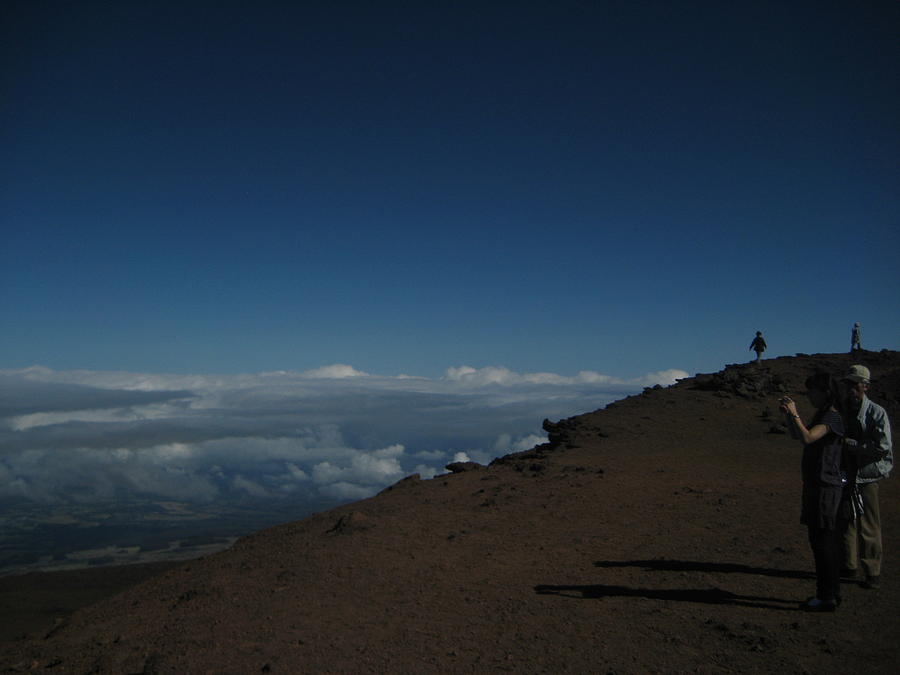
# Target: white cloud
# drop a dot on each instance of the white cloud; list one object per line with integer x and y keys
{"x": 391, "y": 451}
{"x": 506, "y": 444}
{"x": 334, "y": 432}
{"x": 591, "y": 377}
{"x": 296, "y": 472}
{"x": 374, "y": 470}
{"x": 336, "y": 371}
{"x": 348, "y": 491}
{"x": 425, "y": 471}
{"x": 250, "y": 487}
{"x": 494, "y": 375}
{"x": 481, "y": 376}
{"x": 326, "y": 472}
{"x": 663, "y": 377}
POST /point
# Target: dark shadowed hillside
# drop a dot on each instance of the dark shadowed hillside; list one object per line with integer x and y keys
{"x": 660, "y": 534}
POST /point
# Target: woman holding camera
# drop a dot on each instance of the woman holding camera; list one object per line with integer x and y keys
{"x": 825, "y": 486}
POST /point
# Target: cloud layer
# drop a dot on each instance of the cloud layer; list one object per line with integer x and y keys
{"x": 334, "y": 432}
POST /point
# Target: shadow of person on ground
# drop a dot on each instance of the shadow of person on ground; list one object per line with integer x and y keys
{"x": 697, "y": 566}
{"x": 710, "y": 596}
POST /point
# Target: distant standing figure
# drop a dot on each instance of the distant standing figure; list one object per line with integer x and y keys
{"x": 758, "y": 345}
{"x": 868, "y": 440}
{"x": 855, "y": 338}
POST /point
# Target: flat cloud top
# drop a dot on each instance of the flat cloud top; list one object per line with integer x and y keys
{"x": 21, "y": 395}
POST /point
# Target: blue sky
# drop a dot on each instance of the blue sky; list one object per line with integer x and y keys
{"x": 620, "y": 187}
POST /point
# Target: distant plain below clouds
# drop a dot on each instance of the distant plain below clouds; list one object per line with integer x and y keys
{"x": 334, "y": 432}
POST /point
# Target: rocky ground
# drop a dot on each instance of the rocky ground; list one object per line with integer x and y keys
{"x": 660, "y": 534}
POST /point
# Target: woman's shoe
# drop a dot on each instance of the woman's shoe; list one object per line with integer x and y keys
{"x": 817, "y": 605}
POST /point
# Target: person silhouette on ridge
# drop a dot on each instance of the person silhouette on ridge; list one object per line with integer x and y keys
{"x": 758, "y": 345}
{"x": 855, "y": 339}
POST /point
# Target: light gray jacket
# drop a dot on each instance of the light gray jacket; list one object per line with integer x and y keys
{"x": 874, "y": 451}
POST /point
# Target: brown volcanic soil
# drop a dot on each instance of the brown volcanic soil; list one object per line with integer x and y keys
{"x": 658, "y": 535}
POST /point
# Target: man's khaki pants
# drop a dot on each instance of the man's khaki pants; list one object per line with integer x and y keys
{"x": 862, "y": 542}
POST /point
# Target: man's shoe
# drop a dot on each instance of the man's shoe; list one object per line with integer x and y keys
{"x": 872, "y": 583}
{"x": 849, "y": 574}
{"x": 816, "y": 605}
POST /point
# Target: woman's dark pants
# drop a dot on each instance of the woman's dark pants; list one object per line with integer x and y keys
{"x": 826, "y": 547}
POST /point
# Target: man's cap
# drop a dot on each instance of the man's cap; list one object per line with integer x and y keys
{"x": 858, "y": 374}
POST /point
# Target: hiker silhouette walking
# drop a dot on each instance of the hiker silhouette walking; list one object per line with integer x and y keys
{"x": 758, "y": 345}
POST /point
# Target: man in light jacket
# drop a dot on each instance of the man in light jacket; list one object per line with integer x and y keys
{"x": 869, "y": 439}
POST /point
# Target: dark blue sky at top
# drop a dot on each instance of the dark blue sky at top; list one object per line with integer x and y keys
{"x": 620, "y": 186}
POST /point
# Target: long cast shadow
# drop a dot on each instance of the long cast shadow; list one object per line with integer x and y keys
{"x": 711, "y": 596}
{"x": 698, "y": 566}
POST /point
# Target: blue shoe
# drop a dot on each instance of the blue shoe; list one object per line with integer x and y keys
{"x": 816, "y": 605}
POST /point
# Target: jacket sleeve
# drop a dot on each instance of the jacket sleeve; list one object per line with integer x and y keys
{"x": 875, "y": 444}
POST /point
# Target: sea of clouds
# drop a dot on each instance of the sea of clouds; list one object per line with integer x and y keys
{"x": 331, "y": 433}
